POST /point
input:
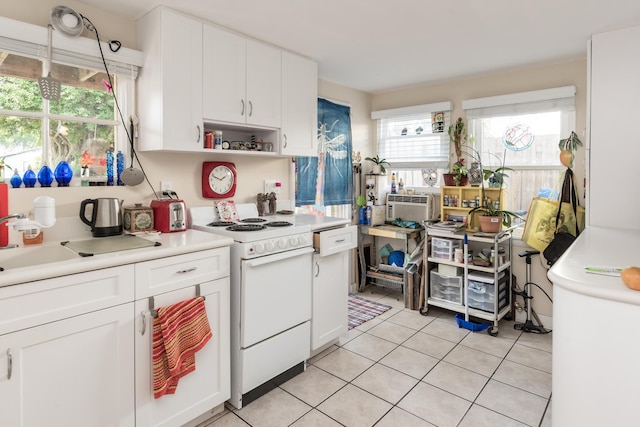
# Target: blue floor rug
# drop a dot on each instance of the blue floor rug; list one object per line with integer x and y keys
{"x": 362, "y": 310}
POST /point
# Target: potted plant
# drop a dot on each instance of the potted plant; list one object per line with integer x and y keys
{"x": 492, "y": 219}
{"x": 2, "y": 166}
{"x": 567, "y": 148}
{"x": 457, "y": 135}
{"x": 378, "y": 164}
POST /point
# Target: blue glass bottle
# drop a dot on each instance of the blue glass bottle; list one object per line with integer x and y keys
{"x": 63, "y": 174}
{"x": 109, "y": 167}
{"x": 16, "y": 181}
{"x": 120, "y": 166}
{"x": 29, "y": 178}
{"x": 45, "y": 176}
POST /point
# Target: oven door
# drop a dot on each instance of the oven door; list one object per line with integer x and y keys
{"x": 275, "y": 294}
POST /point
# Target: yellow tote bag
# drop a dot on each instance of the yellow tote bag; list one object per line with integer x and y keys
{"x": 541, "y": 226}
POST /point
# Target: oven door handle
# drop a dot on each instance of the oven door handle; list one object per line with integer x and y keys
{"x": 278, "y": 257}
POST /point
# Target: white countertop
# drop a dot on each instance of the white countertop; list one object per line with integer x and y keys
{"x": 319, "y": 223}
{"x": 171, "y": 244}
{"x": 597, "y": 246}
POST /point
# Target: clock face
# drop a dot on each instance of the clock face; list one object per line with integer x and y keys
{"x": 218, "y": 179}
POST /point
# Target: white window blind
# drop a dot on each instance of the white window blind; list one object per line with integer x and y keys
{"x": 406, "y": 137}
{"x": 30, "y": 40}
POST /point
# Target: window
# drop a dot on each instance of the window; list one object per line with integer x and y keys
{"x": 414, "y": 140}
{"x": 522, "y": 131}
{"x": 82, "y": 126}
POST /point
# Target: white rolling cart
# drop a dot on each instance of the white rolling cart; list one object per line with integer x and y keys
{"x": 481, "y": 292}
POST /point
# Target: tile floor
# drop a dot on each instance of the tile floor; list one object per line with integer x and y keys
{"x": 405, "y": 369}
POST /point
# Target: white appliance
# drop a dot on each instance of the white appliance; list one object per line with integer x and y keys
{"x": 270, "y": 297}
{"x": 414, "y": 207}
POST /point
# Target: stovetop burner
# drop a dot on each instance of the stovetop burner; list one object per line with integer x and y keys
{"x": 253, "y": 220}
{"x": 246, "y": 227}
{"x": 220, "y": 224}
{"x": 279, "y": 224}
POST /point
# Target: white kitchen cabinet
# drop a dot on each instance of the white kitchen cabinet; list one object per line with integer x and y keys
{"x": 168, "y": 281}
{"x": 242, "y": 80}
{"x": 330, "y": 291}
{"x": 60, "y": 367}
{"x": 613, "y": 105}
{"x": 299, "y": 106}
{"x": 170, "y": 82}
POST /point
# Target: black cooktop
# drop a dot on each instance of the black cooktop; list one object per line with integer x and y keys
{"x": 246, "y": 227}
{"x": 279, "y": 224}
{"x": 220, "y": 224}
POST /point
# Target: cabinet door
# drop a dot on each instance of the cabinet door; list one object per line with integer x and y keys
{"x": 73, "y": 372}
{"x": 170, "y": 82}
{"x": 329, "y": 317}
{"x": 264, "y": 86}
{"x": 199, "y": 391}
{"x": 299, "y": 106}
{"x": 613, "y": 100}
{"x": 224, "y": 75}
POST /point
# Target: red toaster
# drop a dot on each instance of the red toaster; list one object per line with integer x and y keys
{"x": 169, "y": 215}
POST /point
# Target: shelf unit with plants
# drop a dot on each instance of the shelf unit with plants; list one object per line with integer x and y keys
{"x": 453, "y": 208}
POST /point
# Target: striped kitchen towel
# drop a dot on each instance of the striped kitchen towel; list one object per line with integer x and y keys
{"x": 179, "y": 331}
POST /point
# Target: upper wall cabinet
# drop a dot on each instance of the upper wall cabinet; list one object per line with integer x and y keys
{"x": 198, "y": 77}
{"x": 170, "y": 82}
{"x": 299, "y": 106}
{"x": 242, "y": 80}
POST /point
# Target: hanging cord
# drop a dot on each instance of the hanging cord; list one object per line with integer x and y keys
{"x": 93, "y": 28}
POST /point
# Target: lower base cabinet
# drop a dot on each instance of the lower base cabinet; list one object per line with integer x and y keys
{"x": 75, "y": 350}
{"x": 199, "y": 391}
{"x": 73, "y": 372}
{"x": 329, "y": 317}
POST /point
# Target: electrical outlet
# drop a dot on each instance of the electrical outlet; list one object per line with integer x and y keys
{"x": 166, "y": 186}
{"x": 272, "y": 186}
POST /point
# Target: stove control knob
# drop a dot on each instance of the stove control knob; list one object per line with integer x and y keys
{"x": 269, "y": 245}
{"x": 293, "y": 242}
{"x": 302, "y": 239}
{"x": 259, "y": 248}
{"x": 282, "y": 243}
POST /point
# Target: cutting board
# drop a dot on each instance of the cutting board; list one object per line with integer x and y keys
{"x": 103, "y": 245}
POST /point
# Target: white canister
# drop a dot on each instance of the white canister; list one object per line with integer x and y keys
{"x": 458, "y": 255}
{"x": 217, "y": 140}
{"x": 44, "y": 210}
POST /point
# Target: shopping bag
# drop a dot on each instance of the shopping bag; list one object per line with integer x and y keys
{"x": 544, "y": 220}
{"x": 541, "y": 225}
{"x": 560, "y": 243}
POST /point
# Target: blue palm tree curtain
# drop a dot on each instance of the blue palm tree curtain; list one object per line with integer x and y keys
{"x": 326, "y": 180}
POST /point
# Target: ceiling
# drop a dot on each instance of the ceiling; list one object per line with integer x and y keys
{"x": 377, "y": 46}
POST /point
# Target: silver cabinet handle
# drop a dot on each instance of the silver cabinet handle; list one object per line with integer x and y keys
{"x": 340, "y": 240}
{"x": 317, "y": 269}
{"x": 285, "y": 140}
{"x": 242, "y": 112}
{"x": 188, "y": 270}
{"x": 9, "y": 364}
{"x": 144, "y": 323}
{"x": 250, "y": 108}
{"x": 198, "y": 127}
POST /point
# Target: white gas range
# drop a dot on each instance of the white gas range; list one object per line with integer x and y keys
{"x": 271, "y": 260}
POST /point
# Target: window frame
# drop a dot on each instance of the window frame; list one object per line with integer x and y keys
{"x": 28, "y": 40}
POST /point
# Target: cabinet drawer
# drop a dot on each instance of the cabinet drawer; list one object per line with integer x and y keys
{"x": 336, "y": 240}
{"x": 43, "y": 301}
{"x": 176, "y": 272}
{"x": 445, "y": 288}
